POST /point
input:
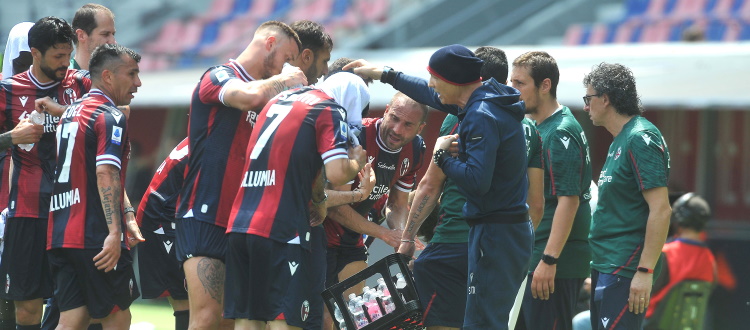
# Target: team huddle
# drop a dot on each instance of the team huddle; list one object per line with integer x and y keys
{"x": 265, "y": 203}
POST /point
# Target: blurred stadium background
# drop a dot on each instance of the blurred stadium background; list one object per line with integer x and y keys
{"x": 691, "y": 59}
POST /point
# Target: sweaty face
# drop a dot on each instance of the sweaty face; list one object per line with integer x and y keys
{"x": 125, "y": 81}
{"x": 401, "y": 123}
{"x": 104, "y": 33}
{"x": 521, "y": 80}
{"x": 54, "y": 62}
{"x": 284, "y": 50}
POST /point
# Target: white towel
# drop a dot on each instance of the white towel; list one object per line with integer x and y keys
{"x": 18, "y": 41}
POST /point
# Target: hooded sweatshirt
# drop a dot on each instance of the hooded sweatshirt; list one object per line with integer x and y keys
{"x": 491, "y": 167}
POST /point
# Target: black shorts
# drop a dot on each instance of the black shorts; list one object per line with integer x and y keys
{"x": 557, "y": 312}
{"x": 78, "y": 282}
{"x": 318, "y": 243}
{"x": 160, "y": 272}
{"x": 337, "y": 258}
{"x": 25, "y": 267}
{"x": 197, "y": 238}
{"x": 267, "y": 280}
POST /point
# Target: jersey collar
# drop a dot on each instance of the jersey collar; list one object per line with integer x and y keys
{"x": 39, "y": 84}
{"x": 243, "y": 73}
{"x": 98, "y": 92}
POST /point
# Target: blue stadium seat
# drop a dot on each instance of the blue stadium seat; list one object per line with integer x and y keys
{"x": 715, "y": 30}
{"x": 636, "y": 7}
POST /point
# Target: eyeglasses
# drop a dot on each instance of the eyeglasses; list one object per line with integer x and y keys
{"x": 587, "y": 98}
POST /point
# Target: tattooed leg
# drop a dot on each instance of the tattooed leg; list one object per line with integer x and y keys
{"x": 205, "y": 279}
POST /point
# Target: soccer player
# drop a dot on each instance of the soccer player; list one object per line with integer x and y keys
{"x": 94, "y": 25}
{"x": 89, "y": 255}
{"x": 561, "y": 258}
{"x": 24, "y": 268}
{"x": 222, "y": 115}
{"x": 396, "y": 152}
{"x": 159, "y": 270}
{"x": 630, "y": 224}
{"x": 298, "y": 133}
{"x": 313, "y": 61}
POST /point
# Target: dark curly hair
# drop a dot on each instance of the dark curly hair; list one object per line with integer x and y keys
{"x": 618, "y": 82}
{"x": 312, "y": 35}
{"x": 50, "y": 31}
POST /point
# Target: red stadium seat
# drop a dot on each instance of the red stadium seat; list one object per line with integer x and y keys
{"x": 573, "y": 35}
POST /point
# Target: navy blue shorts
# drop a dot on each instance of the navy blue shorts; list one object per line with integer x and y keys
{"x": 609, "y": 303}
{"x": 267, "y": 280}
{"x": 555, "y": 313}
{"x": 25, "y": 266}
{"x": 499, "y": 256}
{"x": 318, "y": 243}
{"x": 159, "y": 270}
{"x": 78, "y": 282}
{"x": 337, "y": 258}
{"x": 440, "y": 275}
{"x": 200, "y": 239}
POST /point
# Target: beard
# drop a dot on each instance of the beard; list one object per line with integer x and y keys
{"x": 52, "y": 73}
{"x": 268, "y": 64}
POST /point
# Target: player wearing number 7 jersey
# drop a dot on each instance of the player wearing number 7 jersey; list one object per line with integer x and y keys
{"x": 268, "y": 252}
{"x": 89, "y": 258}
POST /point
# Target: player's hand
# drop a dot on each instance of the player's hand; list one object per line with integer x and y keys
{"x": 292, "y": 76}
{"x": 640, "y": 292}
{"x": 26, "y": 132}
{"x": 366, "y": 180}
{"x": 134, "y": 233}
{"x": 365, "y": 69}
{"x": 444, "y": 142}
{"x": 418, "y": 244}
{"x": 318, "y": 214}
{"x": 407, "y": 248}
{"x": 453, "y": 149}
{"x": 391, "y": 237}
{"x": 543, "y": 281}
{"x": 359, "y": 154}
{"x": 46, "y": 104}
{"x": 107, "y": 259}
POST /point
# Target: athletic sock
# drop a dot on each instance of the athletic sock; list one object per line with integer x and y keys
{"x": 181, "y": 320}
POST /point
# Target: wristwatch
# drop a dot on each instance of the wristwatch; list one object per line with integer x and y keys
{"x": 439, "y": 156}
{"x": 548, "y": 259}
{"x": 325, "y": 198}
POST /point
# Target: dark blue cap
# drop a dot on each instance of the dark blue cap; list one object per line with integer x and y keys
{"x": 456, "y": 65}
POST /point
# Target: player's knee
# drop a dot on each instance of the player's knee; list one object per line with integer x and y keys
{"x": 28, "y": 312}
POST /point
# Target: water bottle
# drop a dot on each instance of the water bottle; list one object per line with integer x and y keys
{"x": 388, "y": 305}
{"x": 36, "y": 118}
{"x": 355, "y": 308}
{"x": 400, "y": 281}
{"x": 288, "y": 67}
{"x": 338, "y": 316}
{"x": 371, "y": 303}
{"x": 382, "y": 287}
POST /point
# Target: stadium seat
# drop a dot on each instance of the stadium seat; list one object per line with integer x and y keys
{"x": 656, "y": 31}
{"x": 230, "y": 33}
{"x": 684, "y": 307}
{"x": 261, "y": 9}
{"x": 688, "y": 9}
{"x": 164, "y": 43}
{"x": 636, "y": 7}
{"x": 314, "y": 10}
{"x": 218, "y": 9}
{"x": 573, "y": 35}
{"x": 599, "y": 33}
{"x": 655, "y": 9}
{"x": 715, "y": 30}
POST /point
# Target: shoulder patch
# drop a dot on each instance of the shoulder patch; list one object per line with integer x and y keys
{"x": 117, "y": 135}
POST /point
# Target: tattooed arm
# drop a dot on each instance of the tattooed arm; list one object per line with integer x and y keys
{"x": 255, "y": 94}
{"x": 110, "y": 190}
{"x": 425, "y": 199}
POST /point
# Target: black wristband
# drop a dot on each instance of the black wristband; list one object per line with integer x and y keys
{"x": 389, "y": 75}
{"x": 548, "y": 259}
{"x": 439, "y": 157}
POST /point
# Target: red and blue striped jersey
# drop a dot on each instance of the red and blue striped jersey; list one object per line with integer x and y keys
{"x": 393, "y": 169}
{"x": 157, "y": 208}
{"x": 5, "y": 159}
{"x": 217, "y": 138}
{"x": 298, "y": 132}
{"x": 31, "y": 180}
{"x": 92, "y": 132}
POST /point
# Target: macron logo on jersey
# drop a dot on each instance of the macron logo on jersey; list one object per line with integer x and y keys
{"x": 565, "y": 141}
{"x": 293, "y": 267}
{"x": 23, "y": 100}
{"x": 259, "y": 178}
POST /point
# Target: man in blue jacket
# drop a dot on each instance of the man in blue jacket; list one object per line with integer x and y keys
{"x": 490, "y": 171}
